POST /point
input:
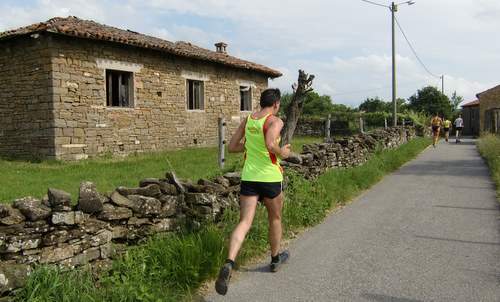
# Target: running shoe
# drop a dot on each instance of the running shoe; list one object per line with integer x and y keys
{"x": 283, "y": 258}
{"x": 222, "y": 282}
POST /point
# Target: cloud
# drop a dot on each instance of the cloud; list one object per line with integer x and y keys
{"x": 346, "y": 44}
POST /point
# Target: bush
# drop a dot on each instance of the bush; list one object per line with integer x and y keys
{"x": 489, "y": 147}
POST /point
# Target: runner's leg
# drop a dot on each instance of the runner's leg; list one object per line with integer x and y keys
{"x": 248, "y": 204}
{"x": 274, "y": 207}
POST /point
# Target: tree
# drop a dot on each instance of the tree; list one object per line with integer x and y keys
{"x": 373, "y": 105}
{"x": 456, "y": 100}
{"x": 294, "y": 109}
{"x": 430, "y": 100}
{"x": 317, "y": 105}
{"x": 378, "y": 105}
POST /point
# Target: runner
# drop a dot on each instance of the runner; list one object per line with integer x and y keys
{"x": 446, "y": 128}
{"x": 436, "y": 127}
{"x": 459, "y": 125}
{"x": 260, "y": 180}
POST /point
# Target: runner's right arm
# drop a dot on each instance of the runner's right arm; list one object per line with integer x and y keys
{"x": 272, "y": 135}
{"x": 236, "y": 144}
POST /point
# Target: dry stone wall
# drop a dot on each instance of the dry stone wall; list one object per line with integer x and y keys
{"x": 346, "y": 152}
{"x": 98, "y": 226}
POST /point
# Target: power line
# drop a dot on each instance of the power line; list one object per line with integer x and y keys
{"x": 375, "y": 3}
{"x": 413, "y": 49}
{"x": 373, "y": 89}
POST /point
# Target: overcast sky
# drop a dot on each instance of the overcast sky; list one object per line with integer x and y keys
{"x": 345, "y": 43}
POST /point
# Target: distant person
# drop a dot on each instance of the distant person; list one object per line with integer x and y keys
{"x": 261, "y": 180}
{"x": 459, "y": 126}
{"x": 436, "y": 122}
{"x": 446, "y": 129}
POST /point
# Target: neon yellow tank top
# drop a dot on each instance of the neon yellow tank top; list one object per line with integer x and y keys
{"x": 260, "y": 164}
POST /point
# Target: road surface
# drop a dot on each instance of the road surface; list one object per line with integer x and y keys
{"x": 428, "y": 232}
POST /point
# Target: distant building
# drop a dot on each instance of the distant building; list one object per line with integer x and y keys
{"x": 489, "y": 109}
{"x": 73, "y": 88}
{"x": 470, "y": 115}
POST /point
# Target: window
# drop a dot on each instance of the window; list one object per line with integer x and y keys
{"x": 195, "y": 95}
{"x": 119, "y": 88}
{"x": 245, "y": 98}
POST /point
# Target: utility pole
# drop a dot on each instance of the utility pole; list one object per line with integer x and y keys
{"x": 394, "y": 9}
{"x": 442, "y": 84}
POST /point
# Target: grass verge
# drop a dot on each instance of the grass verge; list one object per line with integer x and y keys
{"x": 23, "y": 178}
{"x": 489, "y": 147}
{"x": 172, "y": 267}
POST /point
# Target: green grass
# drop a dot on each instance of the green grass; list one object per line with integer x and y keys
{"x": 22, "y": 178}
{"x": 489, "y": 147}
{"x": 171, "y": 268}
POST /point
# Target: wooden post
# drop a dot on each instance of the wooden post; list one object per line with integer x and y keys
{"x": 328, "y": 127}
{"x": 222, "y": 142}
{"x": 361, "y": 128}
{"x": 385, "y": 123}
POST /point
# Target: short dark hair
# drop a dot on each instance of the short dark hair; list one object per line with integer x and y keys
{"x": 269, "y": 97}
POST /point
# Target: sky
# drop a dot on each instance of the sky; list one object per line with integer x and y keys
{"x": 346, "y": 44}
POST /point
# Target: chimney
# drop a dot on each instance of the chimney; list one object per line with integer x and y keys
{"x": 221, "y": 47}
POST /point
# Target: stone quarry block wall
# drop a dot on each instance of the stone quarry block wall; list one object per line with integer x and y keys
{"x": 55, "y": 230}
{"x": 26, "y": 120}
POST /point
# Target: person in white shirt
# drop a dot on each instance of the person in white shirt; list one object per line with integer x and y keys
{"x": 459, "y": 125}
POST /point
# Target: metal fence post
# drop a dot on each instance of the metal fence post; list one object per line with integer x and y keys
{"x": 361, "y": 126}
{"x": 222, "y": 142}
{"x": 385, "y": 123}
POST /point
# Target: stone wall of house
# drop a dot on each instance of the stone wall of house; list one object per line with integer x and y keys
{"x": 85, "y": 126}
{"x": 489, "y": 100}
{"x": 97, "y": 227}
{"x": 25, "y": 98}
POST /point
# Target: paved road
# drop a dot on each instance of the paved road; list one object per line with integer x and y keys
{"x": 428, "y": 232}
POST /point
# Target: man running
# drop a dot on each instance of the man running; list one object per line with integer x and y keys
{"x": 261, "y": 178}
{"x": 446, "y": 128}
{"x": 459, "y": 125}
{"x": 436, "y": 127}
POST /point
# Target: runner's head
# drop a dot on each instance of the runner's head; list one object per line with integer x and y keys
{"x": 270, "y": 98}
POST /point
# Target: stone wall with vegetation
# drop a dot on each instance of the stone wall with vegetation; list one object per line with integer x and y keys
{"x": 25, "y": 99}
{"x": 96, "y": 227}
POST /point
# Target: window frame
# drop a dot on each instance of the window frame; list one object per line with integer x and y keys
{"x": 130, "y": 92}
{"x": 250, "y": 96}
{"x": 202, "y": 95}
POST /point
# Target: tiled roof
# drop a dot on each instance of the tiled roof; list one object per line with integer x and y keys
{"x": 489, "y": 90}
{"x": 470, "y": 104}
{"x": 75, "y": 27}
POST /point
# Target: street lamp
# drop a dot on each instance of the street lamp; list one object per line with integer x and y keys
{"x": 393, "y": 8}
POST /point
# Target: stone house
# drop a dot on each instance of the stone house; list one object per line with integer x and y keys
{"x": 489, "y": 109}
{"x": 470, "y": 115}
{"x": 72, "y": 89}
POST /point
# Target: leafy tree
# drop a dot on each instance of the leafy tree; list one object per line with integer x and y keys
{"x": 456, "y": 100}
{"x": 374, "y": 105}
{"x": 378, "y": 105}
{"x": 317, "y": 105}
{"x": 430, "y": 101}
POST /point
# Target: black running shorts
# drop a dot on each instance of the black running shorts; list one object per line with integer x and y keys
{"x": 435, "y": 129}
{"x": 446, "y": 129}
{"x": 262, "y": 189}
{"x": 460, "y": 128}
